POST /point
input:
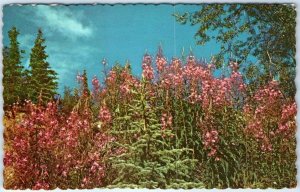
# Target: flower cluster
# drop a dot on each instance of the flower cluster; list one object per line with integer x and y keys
{"x": 128, "y": 82}
{"x": 268, "y": 107}
{"x": 45, "y": 145}
{"x": 161, "y": 63}
{"x": 96, "y": 86}
{"x": 104, "y": 115}
{"x": 166, "y": 121}
{"x": 148, "y": 72}
{"x": 112, "y": 77}
{"x": 211, "y": 139}
{"x": 287, "y": 123}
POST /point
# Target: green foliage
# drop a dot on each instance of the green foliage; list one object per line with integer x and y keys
{"x": 82, "y": 95}
{"x": 69, "y": 100}
{"x": 37, "y": 82}
{"x": 148, "y": 158}
{"x": 228, "y": 171}
{"x": 43, "y": 83}
{"x": 13, "y": 75}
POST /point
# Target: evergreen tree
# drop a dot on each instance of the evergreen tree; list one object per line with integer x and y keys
{"x": 85, "y": 87}
{"x": 26, "y": 78}
{"x": 148, "y": 160}
{"x": 69, "y": 100}
{"x": 6, "y": 75}
{"x": 12, "y": 70}
{"x": 43, "y": 83}
{"x": 83, "y": 95}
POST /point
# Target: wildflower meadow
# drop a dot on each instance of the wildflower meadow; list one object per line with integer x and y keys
{"x": 177, "y": 126}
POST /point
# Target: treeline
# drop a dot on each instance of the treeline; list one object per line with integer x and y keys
{"x": 36, "y": 83}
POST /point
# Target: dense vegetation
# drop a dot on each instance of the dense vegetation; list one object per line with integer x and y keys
{"x": 178, "y": 126}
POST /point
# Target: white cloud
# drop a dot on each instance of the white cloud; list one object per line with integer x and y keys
{"x": 62, "y": 20}
{"x": 68, "y": 59}
{"x": 67, "y": 50}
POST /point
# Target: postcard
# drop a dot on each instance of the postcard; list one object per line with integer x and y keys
{"x": 168, "y": 96}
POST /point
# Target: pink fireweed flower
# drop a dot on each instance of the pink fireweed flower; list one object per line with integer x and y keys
{"x": 41, "y": 185}
{"x": 104, "y": 115}
{"x": 289, "y": 111}
{"x": 166, "y": 82}
{"x": 169, "y": 122}
{"x": 215, "y": 92}
{"x": 112, "y": 76}
{"x": 64, "y": 173}
{"x": 191, "y": 60}
{"x": 148, "y": 72}
{"x": 266, "y": 145}
{"x": 212, "y": 152}
{"x": 189, "y": 72}
{"x": 147, "y": 59}
{"x": 125, "y": 88}
{"x": 160, "y": 63}
{"x": 176, "y": 64}
{"x": 287, "y": 123}
{"x": 85, "y": 181}
{"x": 127, "y": 82}
{"x": 236, "y": 79}
{"x": 96, "y": 85}
{"x": 166, "y": 121}
{"x": 94, "y": 167}
{"x": 177, "y": 80}
{"x": 268, "y": 107}
{"x": 269, "y": 94}
{"x": 8, "y": 159}
{"x": 211, "y": 139}
{"x": 194, "y": 97}
{"x": 125, "y": 75}
{"x": 247, "y": 109}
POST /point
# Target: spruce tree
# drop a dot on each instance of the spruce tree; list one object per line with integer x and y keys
{"x": 69, "y": 100}
{"x": 83, "y": 94}
{"x": 43, "y": 83}
{"x": 85, "y": 87}
{"x": 6, "y": 76}
{"x": 149, "y": 159}
{"x": 12, "y": 70}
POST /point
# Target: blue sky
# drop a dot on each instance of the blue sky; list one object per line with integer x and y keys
{"x": 79, "y": 37}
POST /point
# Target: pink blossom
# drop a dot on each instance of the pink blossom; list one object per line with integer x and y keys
{"x": 166, "y": 121}
{"x": 104, "y": 115}
{"x": 96, "y": 86}
{"x": 160, "y": 63}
